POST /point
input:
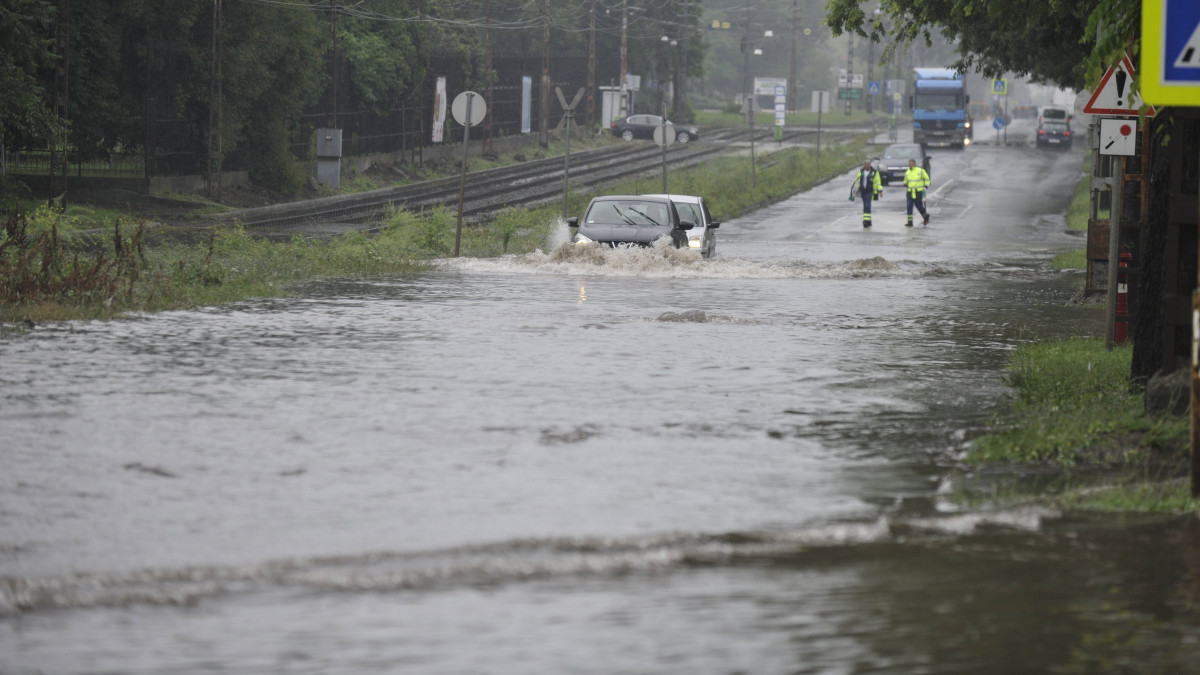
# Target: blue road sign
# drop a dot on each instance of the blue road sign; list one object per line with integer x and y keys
{"x": 998, "y": 123}
{"x": 1000, "y": 87}
{"x": 872, "y": 88}
{"x": 1170, "y": 69}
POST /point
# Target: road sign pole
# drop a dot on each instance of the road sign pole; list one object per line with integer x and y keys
{"x": 462, "y": 182}
{"x": 1114, "y": 252}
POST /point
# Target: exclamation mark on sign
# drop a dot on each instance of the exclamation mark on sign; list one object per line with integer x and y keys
{"x": 1120, "y": 74}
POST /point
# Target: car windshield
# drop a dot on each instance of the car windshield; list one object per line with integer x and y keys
{"x": 903, "y": 152}
{"x": 927, "y": 101}
{"x": 1054, "y": 126}
{"x": 1054, "y": 114}
{"x": 628, "y": 212}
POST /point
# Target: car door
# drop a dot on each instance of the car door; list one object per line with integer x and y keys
{"x": 710, "y": 230}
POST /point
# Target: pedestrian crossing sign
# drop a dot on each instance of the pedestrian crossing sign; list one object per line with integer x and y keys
{"x": 1170, "y": 64}
{"x": 1000, "y": 87}
{"x": 872, "y": 88}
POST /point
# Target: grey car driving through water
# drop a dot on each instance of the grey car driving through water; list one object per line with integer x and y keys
{"x": 631, "y": 220}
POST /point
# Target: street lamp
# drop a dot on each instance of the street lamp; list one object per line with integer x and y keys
{"x": 664, "y": 78}
{"x": 747, "y": 95}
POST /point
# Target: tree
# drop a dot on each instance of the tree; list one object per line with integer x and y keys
{"x": 1053, "y": 41}
{"x": 26, "y": 48}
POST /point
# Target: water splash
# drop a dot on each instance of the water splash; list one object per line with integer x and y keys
{"x": 666, "y": 262}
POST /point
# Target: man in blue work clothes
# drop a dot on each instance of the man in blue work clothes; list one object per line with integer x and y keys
{"x": 916, "y": 180}
{"x": 869, "y": 188}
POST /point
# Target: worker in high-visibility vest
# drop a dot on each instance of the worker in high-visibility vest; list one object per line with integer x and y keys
{"x": 869, "y": 188}
{"x": 916, "y": 180}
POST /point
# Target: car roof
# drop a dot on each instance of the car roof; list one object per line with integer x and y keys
{"x": 641, "y": 198}
{"x": 686, "y": 199}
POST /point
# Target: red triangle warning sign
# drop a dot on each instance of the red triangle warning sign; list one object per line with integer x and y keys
{"x": 1114, "y": 95}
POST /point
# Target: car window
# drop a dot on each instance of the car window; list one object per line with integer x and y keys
{"x": 688, "y": 211}
{"x": 602, "y": 212}
{"x": 1054, "y": 113}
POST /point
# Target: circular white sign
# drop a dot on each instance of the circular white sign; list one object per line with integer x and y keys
{"x": 670, "y": 134}
{"x": 459, "y": 108}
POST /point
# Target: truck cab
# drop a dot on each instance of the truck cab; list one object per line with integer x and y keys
{"x": 939, "y": 104}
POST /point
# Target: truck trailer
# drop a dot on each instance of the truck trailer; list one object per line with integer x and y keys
{"x": 939, "y": 104}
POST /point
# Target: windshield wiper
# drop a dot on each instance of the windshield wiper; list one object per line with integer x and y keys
{"x": 623, "y": 216}
{"x": 646, "y": 216}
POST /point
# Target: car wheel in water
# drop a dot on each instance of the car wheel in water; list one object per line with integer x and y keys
{"x": 627, "y": 135}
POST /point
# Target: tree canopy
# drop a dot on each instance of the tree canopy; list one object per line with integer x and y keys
{"x": 1051, "y": 41}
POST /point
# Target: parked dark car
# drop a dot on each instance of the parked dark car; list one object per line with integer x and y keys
{"x": 1054, "y": 135}
{"x": 894, "y": 162}
{"x": 643, "y": 126}
{"x": 631, "y": 220}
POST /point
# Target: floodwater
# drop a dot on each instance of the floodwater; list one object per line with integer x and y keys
{"x": 584, "y": 461}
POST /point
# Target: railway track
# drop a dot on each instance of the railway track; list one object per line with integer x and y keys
{"x": 492, "y": 190}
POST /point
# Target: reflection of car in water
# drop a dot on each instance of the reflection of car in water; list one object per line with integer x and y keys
{"x": 630, "y": 220}
{"x": 1054, "y": 135}
{"x": 703, "y": 236}
{"x": 643, "y": 126}
{"x": 894, "y": 162}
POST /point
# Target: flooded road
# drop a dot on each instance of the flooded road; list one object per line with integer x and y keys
{"x": 583, "y": 462}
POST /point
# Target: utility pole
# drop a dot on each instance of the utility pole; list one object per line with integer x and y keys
{"x": 590, "y": 122}
{"x": 870, "y": 76}
{"x": 624, "y": 57}
{"x": 491, "y": 80}
{"x": 62, "y": 71}
{"x": 681, "y": 95}
{"x": 215, "y": 150}
{"x": 849, "y": 70}
{"x": 544, "y": 102}
{"x": 791, "y": 85}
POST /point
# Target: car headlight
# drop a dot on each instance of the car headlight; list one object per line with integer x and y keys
{"x": 580, "y": 239}
{"x": 968, "y": 125}
{"x": 695, "y": 241}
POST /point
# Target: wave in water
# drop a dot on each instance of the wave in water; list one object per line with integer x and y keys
{"x": 500, "y": 562}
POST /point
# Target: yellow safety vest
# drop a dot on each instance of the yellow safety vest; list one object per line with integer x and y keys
{"x": 916, "y": 178}
{"x": 876, "y": 184}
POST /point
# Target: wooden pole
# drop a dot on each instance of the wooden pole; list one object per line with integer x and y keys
{"x": 1114, "y": 252}
{"x": 1195, "y": 449}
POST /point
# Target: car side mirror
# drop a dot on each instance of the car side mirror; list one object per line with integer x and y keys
{"x": 715, "y": 224}
{"x": 573, "y": 222}
{"x": 686, "y": 224}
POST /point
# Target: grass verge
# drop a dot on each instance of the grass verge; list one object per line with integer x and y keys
{"x": 1076, "y": 409}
